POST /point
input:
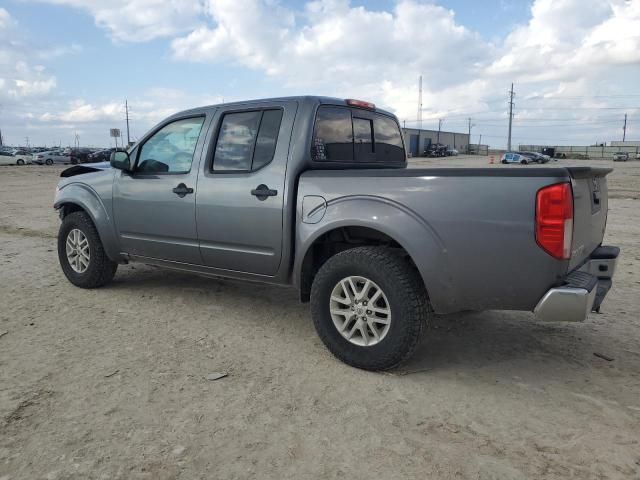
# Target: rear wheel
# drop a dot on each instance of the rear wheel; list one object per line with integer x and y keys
{"x": 48, "y": 161}
{"x": 523, "y": 162}
{"x": 81, "y": 254}
{"x": 20, "y": 162}
{"x": 369, "y": 307}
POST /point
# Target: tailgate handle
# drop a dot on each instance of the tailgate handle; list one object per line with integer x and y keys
{"x": 596, "y": 198}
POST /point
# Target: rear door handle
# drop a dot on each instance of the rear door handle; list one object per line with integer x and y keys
{"x": 262, "y": 192}
{"x": 181, "y": 190}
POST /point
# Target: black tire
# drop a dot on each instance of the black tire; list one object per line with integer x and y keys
{"x": 48, "y": 161}
{"x": 20, "y": 162}
{"x": 101, "y": 269}
{"x": 504, "y": 162}
{"x": 523, "y": 162}
{"x": 407, "y": 298}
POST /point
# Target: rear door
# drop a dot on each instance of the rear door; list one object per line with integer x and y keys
{"x": 239, "y": 204}
{"x": 590, "y": 206}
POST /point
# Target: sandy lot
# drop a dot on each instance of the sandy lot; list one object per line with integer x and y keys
{"x": 110, "y": 384}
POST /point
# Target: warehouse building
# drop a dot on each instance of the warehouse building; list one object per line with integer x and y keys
{"x": 418, "y": 140}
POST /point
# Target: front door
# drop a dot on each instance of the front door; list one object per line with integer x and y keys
{"x": 154, "y": 206}
{"x": 239, "y": 206}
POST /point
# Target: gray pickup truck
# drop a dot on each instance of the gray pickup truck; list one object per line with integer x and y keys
{"x": 315, "y": 192}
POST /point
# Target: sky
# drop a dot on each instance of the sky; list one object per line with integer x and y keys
{"x": 67, "y": 66}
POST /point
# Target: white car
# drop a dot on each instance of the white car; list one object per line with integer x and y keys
{"x": 13, "y": 158}
{"x": 51, "y": 157}
{"x": 511, "y": 157}
{"x": 620, "y": 157}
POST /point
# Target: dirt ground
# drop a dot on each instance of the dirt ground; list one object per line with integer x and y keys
{"x": 110, "y": 383}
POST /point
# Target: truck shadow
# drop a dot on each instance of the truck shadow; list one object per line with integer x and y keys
{"x": 504, "y": 344}
{"x": 513, "y": 344}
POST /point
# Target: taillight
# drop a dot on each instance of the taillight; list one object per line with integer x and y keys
{"x": 554, "y": 220}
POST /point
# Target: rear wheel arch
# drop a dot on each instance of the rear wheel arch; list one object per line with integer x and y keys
{"x": 339, "y": 239}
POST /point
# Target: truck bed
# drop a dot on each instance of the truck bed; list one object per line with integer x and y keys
{"x": 476, "y": 239}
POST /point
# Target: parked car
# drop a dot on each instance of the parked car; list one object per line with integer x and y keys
{"x": 14, "y": 158}
{"x": 79, "y": 155}
{"x": 51, "y": 157}
{"x": 535, "y": 157}
{"x": 512, "y": 157}
{"x": 283, "y": 191}
{"x": 452, "y": 152}
{"x": 436, "y": 150}
{"x": 102, "y": 155}
{"x": 620, "y": 157}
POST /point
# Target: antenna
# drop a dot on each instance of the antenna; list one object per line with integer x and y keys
{"x": 420, "y": 102}
{"x": 126, "y": 109}
{"x": 511, "y": 95}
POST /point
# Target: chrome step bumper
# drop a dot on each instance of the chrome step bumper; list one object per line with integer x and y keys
{"x": 583, "y": 291}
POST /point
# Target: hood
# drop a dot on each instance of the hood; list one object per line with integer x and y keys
{"x": 85, "y": 168}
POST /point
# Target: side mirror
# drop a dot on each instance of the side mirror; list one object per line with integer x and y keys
{"x": 121, "y": 161}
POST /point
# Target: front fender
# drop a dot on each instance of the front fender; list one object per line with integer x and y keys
{"x": 395, "y": 220}
{"x": 88, "y": 199}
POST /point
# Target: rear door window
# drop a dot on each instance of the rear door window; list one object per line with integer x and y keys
{"x": 247, "y": 140}
{"x": 267, "y": 138}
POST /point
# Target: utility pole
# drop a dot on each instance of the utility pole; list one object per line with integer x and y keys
{"x": 624, "y": 128}
{"x": 469, "y": 139}
{"x": 1, "y": 143}
{"x": 439, "y": 127}
{"x": 511, "y": 95}
{"x": 420, "y": 102}
{"x": 126, "y": 109}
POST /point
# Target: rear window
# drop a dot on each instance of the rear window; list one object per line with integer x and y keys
{"x": 333, "y": 136}
{"x": 356, "y": 136}
{"x": 388, "y": 140}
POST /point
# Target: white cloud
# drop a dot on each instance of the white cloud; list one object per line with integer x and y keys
{"x": 565, "y": 39}
{"x": 140, "y": 20}
{"x": 18, "y": 78}
{"x": 567, "y": 48}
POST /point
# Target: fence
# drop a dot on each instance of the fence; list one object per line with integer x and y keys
{"x": 583, "y": 152}
{"x": 475, "y": 149}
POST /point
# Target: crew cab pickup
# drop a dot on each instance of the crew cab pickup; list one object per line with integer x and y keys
{"x": 315, "y": 192}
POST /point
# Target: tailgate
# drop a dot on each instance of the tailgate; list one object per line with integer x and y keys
{"x": 589, "y": 211}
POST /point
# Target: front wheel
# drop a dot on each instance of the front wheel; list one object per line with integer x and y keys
{"x": 48, "y": 161}
{"x": 523, "y": 162}
{"x": 369, "y": 307}
{"x": 20, "y": 162}
{"x": 81, "y": 254}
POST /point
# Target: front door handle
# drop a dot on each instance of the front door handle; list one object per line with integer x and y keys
{"x": 262, "y": 192}
{"x": 181, "y": 190}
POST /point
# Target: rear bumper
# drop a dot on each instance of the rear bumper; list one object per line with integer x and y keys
{"x": 583, "y": 290}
